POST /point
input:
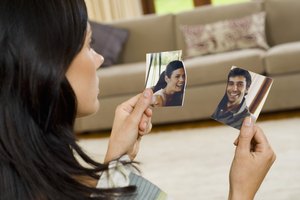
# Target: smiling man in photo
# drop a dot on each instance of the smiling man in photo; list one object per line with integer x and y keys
{"x": 233, "y": 109}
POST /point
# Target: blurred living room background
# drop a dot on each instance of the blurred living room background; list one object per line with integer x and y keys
{"x": 107, "y": 11}
{"x": 187, "y": 153}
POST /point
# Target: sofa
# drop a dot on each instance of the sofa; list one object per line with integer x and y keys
{"x": 206, "y": 74}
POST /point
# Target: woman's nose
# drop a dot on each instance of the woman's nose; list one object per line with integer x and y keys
{"x": 99, "y": 59}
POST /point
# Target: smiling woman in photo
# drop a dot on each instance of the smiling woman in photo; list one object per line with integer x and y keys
{"x": 170, "y": 88}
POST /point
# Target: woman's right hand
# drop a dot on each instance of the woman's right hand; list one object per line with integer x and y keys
{"x": 252, "y": 161}
{"x": 132, "y": 121}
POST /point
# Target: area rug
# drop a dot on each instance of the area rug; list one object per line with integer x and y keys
{"x": 194, "y": 163}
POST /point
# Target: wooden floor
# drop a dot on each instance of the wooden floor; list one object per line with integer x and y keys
{"x": 196, "y": 124}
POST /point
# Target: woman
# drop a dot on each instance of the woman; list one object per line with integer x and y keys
{"x": 169, "y": 90}
{"x": 47, "y": 78}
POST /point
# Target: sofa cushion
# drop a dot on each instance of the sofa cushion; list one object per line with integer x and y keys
{"x": 210, "y": 69}
{"x": 147, "y": 34}
{"x": 226, "y": 35}
{"x": 122, "y": 79}
{"x": 282, "y": 23}
{"x": 283, "y": 58}
{"x": 108, "y": 41}
{"x": 210, "y": 14}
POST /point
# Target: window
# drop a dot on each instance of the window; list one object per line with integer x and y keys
{"x": 222, "y": 2}
{"x": 172, "y": 6}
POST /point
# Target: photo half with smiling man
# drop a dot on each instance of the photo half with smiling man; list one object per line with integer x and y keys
{"x": 245, "y": 95}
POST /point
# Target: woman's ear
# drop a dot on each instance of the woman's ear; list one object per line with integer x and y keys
{"x": 167, "y": 79}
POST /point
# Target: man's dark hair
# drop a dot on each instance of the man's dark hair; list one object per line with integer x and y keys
{"x": 240, "y": 72}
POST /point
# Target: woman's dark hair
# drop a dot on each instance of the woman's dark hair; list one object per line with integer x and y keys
{"x": 161, "y": 83}
{"x": 38, "y": 41}
{"x": 172, "y": 66}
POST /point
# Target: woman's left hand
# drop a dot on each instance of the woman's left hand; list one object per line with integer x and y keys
{"x": 132, "y": 121}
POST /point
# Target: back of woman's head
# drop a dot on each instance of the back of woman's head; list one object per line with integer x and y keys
{"x": 38, "y": 41}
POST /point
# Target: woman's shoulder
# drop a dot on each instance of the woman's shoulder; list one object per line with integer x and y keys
{"x": 159, "y": 92}
{"x": 159, "y": 98}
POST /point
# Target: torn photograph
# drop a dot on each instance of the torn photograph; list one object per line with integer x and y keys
{"x": 166, "y": 76}
{"x": 245, "y": 94}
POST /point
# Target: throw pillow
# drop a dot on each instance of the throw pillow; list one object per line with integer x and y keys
{"x": 227, "y": 35}
{"x": 108, "y": 41}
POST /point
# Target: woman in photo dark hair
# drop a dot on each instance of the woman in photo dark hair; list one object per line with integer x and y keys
{"x": 169, "y": 90}
{"x": 48, "y": 78}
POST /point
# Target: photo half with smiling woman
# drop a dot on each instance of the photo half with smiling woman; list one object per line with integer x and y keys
{"x": 166, "y": 76}
{"x": 245, "y": 95}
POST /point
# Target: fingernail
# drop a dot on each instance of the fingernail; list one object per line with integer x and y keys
{"x": 145, "y": 125}
{"x": 248, "y": 121}
{"x": 146, "y": 93}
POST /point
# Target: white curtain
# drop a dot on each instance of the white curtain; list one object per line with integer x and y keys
{"x": 109, "y": 10}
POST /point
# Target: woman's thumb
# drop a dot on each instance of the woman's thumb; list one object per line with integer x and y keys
{"x": 142, "y": 104}
{"x": 246, "y": 135}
